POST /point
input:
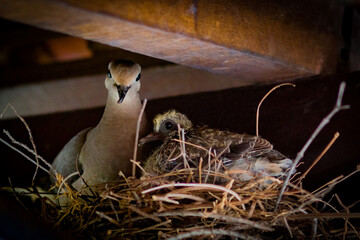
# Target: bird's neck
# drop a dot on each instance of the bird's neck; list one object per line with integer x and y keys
{"x": 129, "y": 108}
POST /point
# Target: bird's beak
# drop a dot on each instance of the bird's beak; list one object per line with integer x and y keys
{"x": 151, "y": 137}
{"x": 122, "y": 90}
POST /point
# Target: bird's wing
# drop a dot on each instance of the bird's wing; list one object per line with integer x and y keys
{"x": 261, "y": 146}
{"x": 65, "y": 161}
{"x": 243, "y": 145}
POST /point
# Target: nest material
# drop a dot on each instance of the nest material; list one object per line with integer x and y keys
{"x": 163, "y": 208}
{"x": 156, "y": 208}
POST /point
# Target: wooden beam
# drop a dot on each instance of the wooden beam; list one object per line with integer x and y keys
{"x": 25, "y": 73}
{"x": 247, "y": 39}
{"x": 88, "y": 91}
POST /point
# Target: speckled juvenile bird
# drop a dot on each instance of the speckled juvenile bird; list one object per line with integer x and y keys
{"x": 101, "y": 152}
{"x": 244, "y": 156}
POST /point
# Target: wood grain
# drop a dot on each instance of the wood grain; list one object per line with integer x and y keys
{"x": 249, "y": 40}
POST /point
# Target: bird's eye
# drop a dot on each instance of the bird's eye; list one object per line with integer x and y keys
{"x": 168, "y": 125}
{"x": 138, "y": 77}
{"x": 109, "y": 74}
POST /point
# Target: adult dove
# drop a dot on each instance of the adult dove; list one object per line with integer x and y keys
{"x": 99, "y": 153}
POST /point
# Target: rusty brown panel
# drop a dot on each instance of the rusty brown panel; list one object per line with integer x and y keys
{"x": 174, "y": 47}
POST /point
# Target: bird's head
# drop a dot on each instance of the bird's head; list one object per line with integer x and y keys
{"x": 123, "y": 76}
{"x": 167, "y": 123}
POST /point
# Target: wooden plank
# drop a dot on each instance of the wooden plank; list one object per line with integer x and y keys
{"x": 247, "y": 39}
{"x": 88, "y": 91}
{"x": 25, "y": 73}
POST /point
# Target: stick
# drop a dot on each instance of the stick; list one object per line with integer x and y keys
{"x": 193, "y": 145}
{"x": 314, "y": 226}
{"x": 323, "y": 216}
{"x": 102, "y": 215}
{"x": 220, "y": 217}
{"x": 258, "y": 108}
{"x": 29, "y": 150}
{"x": 200, "y": 168}
{"x": 25, "y": 156}
{"x": 347, "y": 211}
{"x": 196, "y": 185}
{"x": 17, "y": 195}
{"x": 324, "y": 122}
{"x": 31, "y": 140}
{"x": 137, "y": 137}
{"x": 204, "y": 232}
{"x": 287, "y": 226}
{"x": 319, "y": 157}
{"x": 144, "y": 214}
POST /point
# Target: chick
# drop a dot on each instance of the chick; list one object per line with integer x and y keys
{"x": 243, "y": 156}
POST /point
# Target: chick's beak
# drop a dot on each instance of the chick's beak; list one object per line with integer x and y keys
{"x": 151, "y": 137}
{"x": 122, "y": 90}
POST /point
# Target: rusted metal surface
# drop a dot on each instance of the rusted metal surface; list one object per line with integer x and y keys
{"x": 257, "y": 40}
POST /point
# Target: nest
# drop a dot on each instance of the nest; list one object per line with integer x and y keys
{"x": 156, "y": 208}
{"x": 187, "y": 204}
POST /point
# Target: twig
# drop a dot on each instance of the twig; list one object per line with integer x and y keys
{"x": 209, "y": 164}
{"x": 323, "y": 123}
{"x": 152, "y": 227}
{"x": 31, "y": 140}
{"x": 345, "y": 218}
{"x": 323, "y": 215}
{"x": 258, "y": 108}
{"x": 144, "y": 214}
{"x": 200, "y": 168}
{"x": 102, "y": 215}
{"x": 25, "y": 156}
{"x": 17, "y": 195}
{"x": 347, "y": 211}
{"x": 181, "y": 196}
{"x": 4, "y": 110}
{"x": 137, "y": 137}
{"x": 196, "y": 185}
{"x": 202, "y": 232}
{"x": 332, "y": 184}
{"x": 138, "y": 165}
{"x": 29, "y": 150}
{"x": 113, "y": 208}
{"x": 225, "y": 218}
{"x": 287, "y": 226}
{"x": 63, "y": 182}
{"x": 354, "y": 204}
{"x": 314, "y": 228}
{"x": 193, "y": 145}
{"x": 319, "y": 157}
{"x": 165, "y": 199}
{"x": 181, "y": 141}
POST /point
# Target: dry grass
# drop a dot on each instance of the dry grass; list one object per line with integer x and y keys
{"x": 151, "y": 208}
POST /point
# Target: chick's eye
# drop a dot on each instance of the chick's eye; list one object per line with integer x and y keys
{"x": 138, "y": 77}
{"x": 109, "y": 74}
{"x": 168, "y": 125}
